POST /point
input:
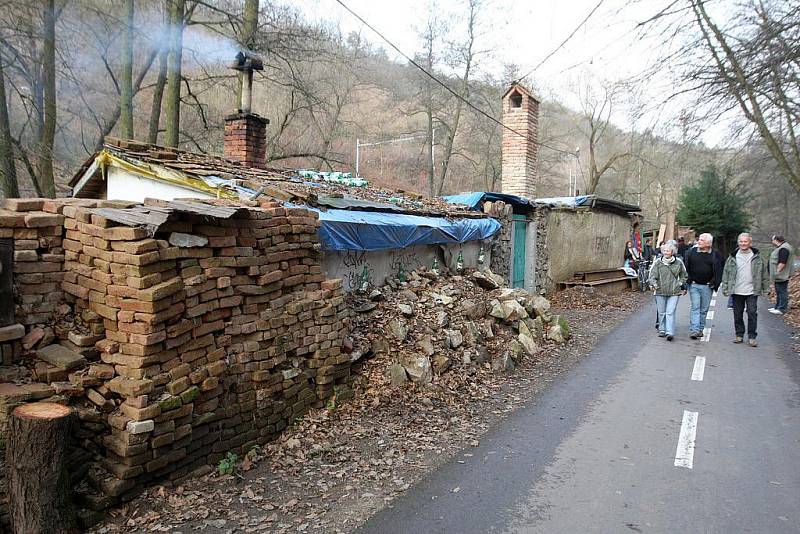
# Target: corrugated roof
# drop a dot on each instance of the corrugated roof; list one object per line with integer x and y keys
{"x": 230, "y": 179}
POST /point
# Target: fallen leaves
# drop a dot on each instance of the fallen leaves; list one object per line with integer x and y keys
{"x": 333, "y": 469}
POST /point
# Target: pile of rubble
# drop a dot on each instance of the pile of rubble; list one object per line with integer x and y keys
{"x": 429, "y": 324}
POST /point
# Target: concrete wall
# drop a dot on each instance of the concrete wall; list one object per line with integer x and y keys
{"x": 349, "y": 265}
{"x": 585, "y": 241}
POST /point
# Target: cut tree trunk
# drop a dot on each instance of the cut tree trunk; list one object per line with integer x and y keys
{"x": 38, "y": 483}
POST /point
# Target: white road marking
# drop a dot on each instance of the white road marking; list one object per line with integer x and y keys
{"x": 699, "y": 368}
{"x": 710, "y": 315}
{"x": 713, "y": 302}
{"x": 714, "y": 294}
{"x": 684, "y": 454}
{"x": 707, "y": 334}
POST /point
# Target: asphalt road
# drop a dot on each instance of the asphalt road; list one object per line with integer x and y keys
{"x": 642, "y": 436}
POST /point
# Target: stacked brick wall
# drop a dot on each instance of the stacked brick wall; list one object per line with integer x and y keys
{"x": 245, "y": 139}
{"x": 210, "y": 336}
{"x": 520, "y": 148}
{"x": 34, "y": 227}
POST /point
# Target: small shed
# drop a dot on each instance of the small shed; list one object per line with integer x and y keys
{"x": 365, "y": 232}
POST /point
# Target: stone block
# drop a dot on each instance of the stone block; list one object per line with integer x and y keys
{"x": 61, "y": 357}
{"x": 12, "y": 332}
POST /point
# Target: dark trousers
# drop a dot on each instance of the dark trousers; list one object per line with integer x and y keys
{"x": 739, "y": 304}
{"x": 782, "y": 296}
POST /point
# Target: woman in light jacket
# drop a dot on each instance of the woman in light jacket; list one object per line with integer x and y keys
{"x": 668, "y": 280}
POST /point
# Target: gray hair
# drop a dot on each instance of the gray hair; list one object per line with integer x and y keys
{"x": 745, "y": 234}
{"x": 706, "y": 236}
{"x": 671, "y": 246}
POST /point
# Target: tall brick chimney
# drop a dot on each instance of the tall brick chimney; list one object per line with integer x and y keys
{"x": 246, "y": 132}
{"x": 520, "y": 153}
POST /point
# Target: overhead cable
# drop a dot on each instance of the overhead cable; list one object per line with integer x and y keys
{"x": 444, "y": 85}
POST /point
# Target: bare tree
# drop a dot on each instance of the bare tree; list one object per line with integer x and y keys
{"x": 173, "y": 104}
{"x": 161, "y": 80}
{"x": 126, "y": 78}
{"x": 760, "y": 69}
{"x": 465, "y": 54}
{"x": 8, "y": 167}
{"x": 46, "y": 177}
{"x": 597, "y": 104}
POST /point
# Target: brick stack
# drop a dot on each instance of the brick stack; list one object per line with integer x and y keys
{"x": 34, "y": 225}
{"x": 520, "y": 147}
{"x": 216, "y": 334}
{"x": 245, "y": 139}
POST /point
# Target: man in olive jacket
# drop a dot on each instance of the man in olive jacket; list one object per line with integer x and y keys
{"x": 745, "y": 277}
{"x": 781, "y": 267}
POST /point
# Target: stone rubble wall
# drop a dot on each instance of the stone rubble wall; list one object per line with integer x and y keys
{"x": 544, "y": 282}
{"x": 501, "y": 243}
{"x": 209, "y": 337}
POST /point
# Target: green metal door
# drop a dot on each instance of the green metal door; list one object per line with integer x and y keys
{"x": 518, "y": 265}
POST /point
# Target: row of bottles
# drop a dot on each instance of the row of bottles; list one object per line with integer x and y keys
{"x": 363, "y": 279}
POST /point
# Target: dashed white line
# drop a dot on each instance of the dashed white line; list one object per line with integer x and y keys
{"x": 713, "y": 302}
{"x": 684, "y": 454}
{"x": 699, "y": 368}
{"x": 710, "y": 315}
{"x": 714, "y": 294}
{"x": 707, "y": 334}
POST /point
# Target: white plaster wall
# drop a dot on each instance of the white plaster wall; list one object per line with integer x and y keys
{"x": 123, "y": 185}
{"x": 348, "y": 265}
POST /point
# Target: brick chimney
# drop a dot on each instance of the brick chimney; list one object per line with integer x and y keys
{"x": 520, "y": 153}
{"x": 246, "y": 138}
{"x": 246, "y": 132}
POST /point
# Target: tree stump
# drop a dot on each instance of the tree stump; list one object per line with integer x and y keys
{"x": 39, "y": 489}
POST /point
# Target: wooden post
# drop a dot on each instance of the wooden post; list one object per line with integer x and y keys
{"x": 39, "y": 490}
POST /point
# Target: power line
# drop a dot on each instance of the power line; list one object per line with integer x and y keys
{"x": 444, "y": 85}
{"x": 565, "y": 41}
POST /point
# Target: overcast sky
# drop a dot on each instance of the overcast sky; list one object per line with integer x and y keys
{"x": 606, "y": 47}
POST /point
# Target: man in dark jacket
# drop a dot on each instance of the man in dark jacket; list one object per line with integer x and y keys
{"x": 682, "y": 247}
{"x": 704, "y": 266}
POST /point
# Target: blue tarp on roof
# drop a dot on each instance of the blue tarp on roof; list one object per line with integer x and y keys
{"x": 361, "y": 230}
{"x": 565, "y": 201}
{"x": 474, "y": 199}
{"x": 366, "y": 230}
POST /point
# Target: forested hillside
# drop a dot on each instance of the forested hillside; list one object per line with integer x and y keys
{"x": 156, "y": 70}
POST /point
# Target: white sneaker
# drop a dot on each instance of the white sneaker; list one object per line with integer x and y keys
{"x": 775, "y": 312}
{"x": 771, "y": 309}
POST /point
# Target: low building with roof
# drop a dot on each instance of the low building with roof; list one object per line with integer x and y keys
{"x": 366, "y": 233}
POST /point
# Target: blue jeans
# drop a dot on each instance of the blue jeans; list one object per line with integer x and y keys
{"x": 666, "y": 313}
{"x": 700, "y": 296}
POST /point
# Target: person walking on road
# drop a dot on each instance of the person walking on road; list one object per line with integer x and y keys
{"x": 781, "y": 266}
{"x": 668, "y": 279}
{"x": 704, "y": 267}
{"x": 745, "y": 277}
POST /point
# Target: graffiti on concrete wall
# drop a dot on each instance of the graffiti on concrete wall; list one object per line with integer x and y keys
{"x": 408, "y": 259}
{"x": 357, "y": 267}
{"x": 602, "y": 244}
